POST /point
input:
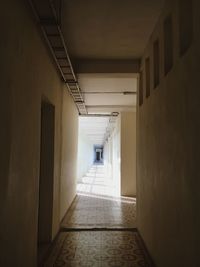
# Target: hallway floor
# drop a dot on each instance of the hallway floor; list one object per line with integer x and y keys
{"x": 99, "y": 230}
{"x": 97, "y": 204}
{"x": 97, "y": 182}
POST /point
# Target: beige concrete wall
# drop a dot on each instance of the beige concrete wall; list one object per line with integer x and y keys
{"x": 116, "y": 154}
{"x": 112, "y": 155}
{"x": 85, "y": 155}
{"x": 168, "y": 153}
{"x": 27, "y": 75}
{"x": 107, "y": 153}
{"x": 69, "y": 153}
{"x": 128, "y": 153}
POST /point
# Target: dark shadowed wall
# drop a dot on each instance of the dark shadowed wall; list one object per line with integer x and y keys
{"x": 27, "y": 76}
{"x": 168, "y": 130}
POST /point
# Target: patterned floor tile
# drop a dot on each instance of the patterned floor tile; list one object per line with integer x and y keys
{"x": 83, "y": 240}
{"x": 100, "y": 210}
{"x": 93, "y": 212}
{"x": 125, "y": 249}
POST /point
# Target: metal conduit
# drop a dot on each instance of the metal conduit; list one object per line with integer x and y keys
{"x": 48, "y": 18}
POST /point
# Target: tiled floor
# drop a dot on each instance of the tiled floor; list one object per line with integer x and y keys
{"x": 97, "y": 181}
{"x": 101, "y": 212}
{"x": 99, "y": 230}
{"x": 98, "y": 249}
{"x": 98, "y": 205}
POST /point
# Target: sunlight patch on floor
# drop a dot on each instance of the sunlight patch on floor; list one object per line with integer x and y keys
{"x": 97, "y": 182}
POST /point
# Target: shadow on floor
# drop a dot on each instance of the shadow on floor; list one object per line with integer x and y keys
{"x": 99, "y": 229}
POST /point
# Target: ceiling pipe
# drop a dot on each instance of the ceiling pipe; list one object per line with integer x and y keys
{"x": 110, "y": 92}
{"x": 50, "y": 24}
{"x": 113, "y": 114}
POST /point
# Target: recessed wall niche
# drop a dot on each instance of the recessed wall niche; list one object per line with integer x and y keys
{"x": 156, "y": 63}
{"x": 147, "y": 75}
{"x": 168, "y": 44}
{"x": 141, "y": 89}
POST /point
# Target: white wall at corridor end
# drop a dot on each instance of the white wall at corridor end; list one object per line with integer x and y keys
{"x": 85, "y": 155}
{"x": 120, "y": 154}
{"x": 112, "y": 155}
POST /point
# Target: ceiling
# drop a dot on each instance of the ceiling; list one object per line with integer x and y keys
{"x": 98, "y": 32}
{"x": 107, "y": 38}
{"x": 108, "y": 29}
{"x": 104, "y": 92}
{"x": 108, "y": 32}
{"x": 94, "y": 128}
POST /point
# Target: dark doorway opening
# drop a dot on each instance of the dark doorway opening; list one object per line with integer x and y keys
{"x": 46, "y": 179}
{"x": 98, "y": 154}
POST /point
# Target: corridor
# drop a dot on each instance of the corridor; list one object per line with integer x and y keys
{"x": 99, "y": 111}
{"x": 99, "y": 229}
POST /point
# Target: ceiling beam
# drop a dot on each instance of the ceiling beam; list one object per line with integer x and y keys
{"x": 106, "y": 66}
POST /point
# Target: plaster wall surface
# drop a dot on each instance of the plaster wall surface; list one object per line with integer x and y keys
{"x": 128, "y": 153}
{"x": 114, "y": 154}
{"x": 108, "y": 157}
{"x": 28, "y": 76}
{"x": 69, "y": 152}
{"x": 168, "y": 131}
{"x": 85, "y": 154}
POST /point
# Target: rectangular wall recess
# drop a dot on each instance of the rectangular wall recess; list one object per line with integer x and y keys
{"x": 168, "y": 44}
{"x": 156, "y": 63}
{"x": 147, "y": 74}
{"x": 141, "y": 89}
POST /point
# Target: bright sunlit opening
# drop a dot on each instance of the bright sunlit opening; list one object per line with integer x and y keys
{"x": 96, "y": 182}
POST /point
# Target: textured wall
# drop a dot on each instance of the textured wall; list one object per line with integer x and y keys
{"x": 85, "y": 154}
{"x": 69, "y": 153}
{"x": 128, "y": 153}
{"x": 112, "y": 155}
{"x": 168, "y": 131}
{"x": 27, "y": 76}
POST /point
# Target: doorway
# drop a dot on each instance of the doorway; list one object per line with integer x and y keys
{"x": 98, "y": 154}
{"x": 46, "y": 179}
